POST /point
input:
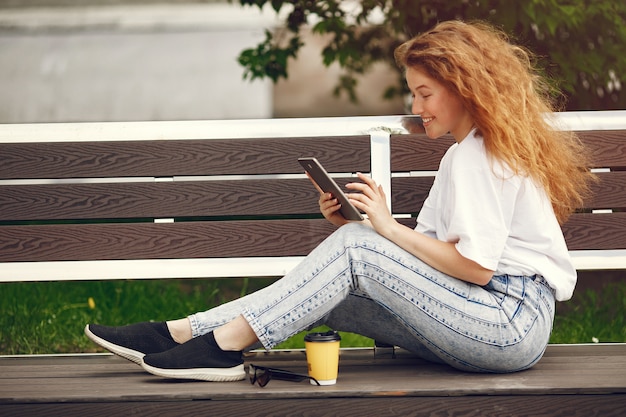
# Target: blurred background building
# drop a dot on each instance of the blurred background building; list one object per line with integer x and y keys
{"x": 124, "y": 60}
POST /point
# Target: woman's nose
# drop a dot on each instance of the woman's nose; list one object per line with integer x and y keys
{"x": 416, "y": 108}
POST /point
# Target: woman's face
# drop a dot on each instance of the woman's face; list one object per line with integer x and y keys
{"x": 441, "y": 110}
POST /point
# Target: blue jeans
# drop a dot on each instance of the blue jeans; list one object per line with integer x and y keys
{"x": 358, "y": 281}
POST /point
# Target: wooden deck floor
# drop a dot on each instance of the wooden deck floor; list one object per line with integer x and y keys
{"x": 571, "y": 380}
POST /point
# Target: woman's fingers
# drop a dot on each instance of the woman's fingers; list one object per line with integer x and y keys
{"x": 368, "y": 187}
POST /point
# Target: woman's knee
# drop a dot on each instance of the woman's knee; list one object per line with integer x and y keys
{"x": 355, "y": 233}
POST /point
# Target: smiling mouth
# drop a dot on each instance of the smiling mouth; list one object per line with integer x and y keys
{"x": 427, "y": 120}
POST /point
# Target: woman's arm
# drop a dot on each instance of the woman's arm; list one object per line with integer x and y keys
{"x": 441, "y": 255}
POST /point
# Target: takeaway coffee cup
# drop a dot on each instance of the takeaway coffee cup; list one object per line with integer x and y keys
{"x": 322, "y": 356}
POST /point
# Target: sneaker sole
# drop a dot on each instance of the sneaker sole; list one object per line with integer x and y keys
{"x": 236, "y": 373}
{"x": 131, "y": 355}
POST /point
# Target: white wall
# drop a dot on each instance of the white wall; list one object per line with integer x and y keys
{"x": 122, "y": 63}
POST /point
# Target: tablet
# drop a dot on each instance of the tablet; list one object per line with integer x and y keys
{"x": 328, "y": 185}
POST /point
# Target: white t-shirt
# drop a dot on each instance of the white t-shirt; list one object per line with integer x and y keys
{"x": 501, "y": 221}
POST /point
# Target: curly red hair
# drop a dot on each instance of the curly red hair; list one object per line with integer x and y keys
{"x": 510, "y": 103}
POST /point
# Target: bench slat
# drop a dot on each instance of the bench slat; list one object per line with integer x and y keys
{"x": 181, "y": 157}
{"x": 253, "y": 197}
{"x": 598, "y": 231}
{"x": 586, "y": 231}
{"x": 409, "y": 193}
{"x": 608, "y": 192}
{"x": 606, "y": 147}
{"x": 161, "y": 240}
{"x": 417, "y": 152}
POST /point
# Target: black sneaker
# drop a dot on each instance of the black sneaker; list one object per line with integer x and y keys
{"x": 134, "y": 341}
{"x": 200, "y": 358}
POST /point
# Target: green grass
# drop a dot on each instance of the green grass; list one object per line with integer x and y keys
{"x": 592, "y": 316}
{"x": 49, "y": 317}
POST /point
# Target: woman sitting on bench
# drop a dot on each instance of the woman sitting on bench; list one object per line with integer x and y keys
{"x": 473, "y": 285}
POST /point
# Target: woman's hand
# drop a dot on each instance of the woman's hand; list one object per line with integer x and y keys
{"x": 439, "y": 254}
{"x": 371, "y": 200}
{"x": 329, "y": 206}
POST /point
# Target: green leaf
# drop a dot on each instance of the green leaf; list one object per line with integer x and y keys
{"x": 559, "y": 32}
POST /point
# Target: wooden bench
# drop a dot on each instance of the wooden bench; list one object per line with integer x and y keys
{"x": 228, "y": 199}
